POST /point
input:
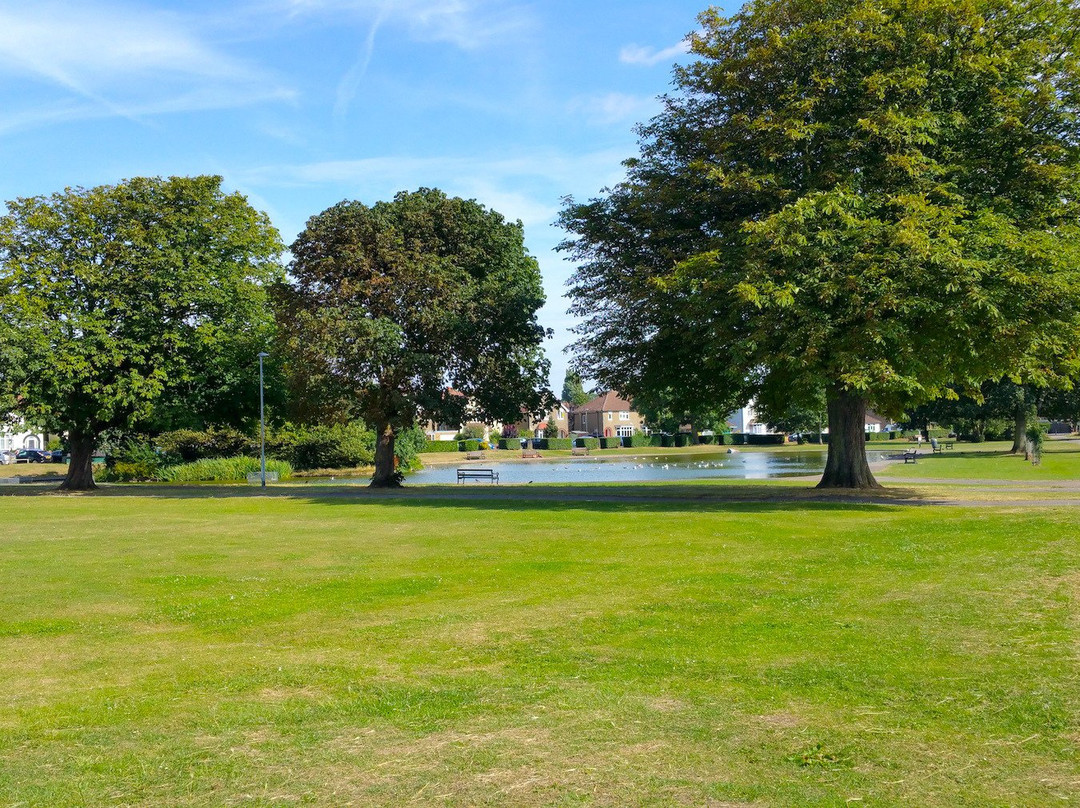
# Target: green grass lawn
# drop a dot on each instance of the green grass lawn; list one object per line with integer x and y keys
{"x": 347, "y": 651}
{"x": 1060, "y": 461}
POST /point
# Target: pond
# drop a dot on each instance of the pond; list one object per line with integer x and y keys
{"x": 627, "y": 468}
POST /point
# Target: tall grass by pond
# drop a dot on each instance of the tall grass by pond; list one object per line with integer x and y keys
{"x": 215, "y": 469}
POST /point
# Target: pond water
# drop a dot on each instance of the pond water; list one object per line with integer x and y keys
{"x": 626, "y": 468}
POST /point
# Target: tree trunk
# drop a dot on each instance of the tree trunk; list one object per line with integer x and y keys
{"x": 385, "y": 474}
{"x": 1019, "y": 432}
{"x": 847, "y": 466}
{"x": 80, "y": 471}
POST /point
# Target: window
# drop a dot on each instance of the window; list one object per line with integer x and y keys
{"x": 610, "y": 415}
{"x": 562, "y": 415}
{"x": 624, "y": 416}
{"x": 624, "y": 431}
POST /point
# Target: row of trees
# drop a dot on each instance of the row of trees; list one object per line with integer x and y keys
{"x": 873, "y": 202}
{"x": 142, "y": 306}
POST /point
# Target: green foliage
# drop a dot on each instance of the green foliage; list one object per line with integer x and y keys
{"x": 638, "y": 441}
{"x": 192, "y": 444}
{"x": 556, "y": 443}
{"x": 442, "y": 446}
{"x": 389, "y": 304}
{"x": 551, "y": 430}
{"x": 1036, "y": 438}
{"x": 471, "y": 432}
{"x": 877, "y": 200}
{"x": 509, "y": 443}
{"x": 323, "y": 447}
{"x": 611, "y": 443}
{"x": 683, "y": 439}
{"x": 764, "y": 440}
{"x": 223, "y": 469}
{"x": 469, "y": 445}
{"x": 410, "y": 442}
{"x": 587, "y": 443}
{"x": 573, "y": 389}
{"x": 120, "y": 301}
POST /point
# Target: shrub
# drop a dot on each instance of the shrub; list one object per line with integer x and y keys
{"x": 587, "y": 443}
{"x": 509, "y": 443}
{"x": 556, "y": 443}
{"x": 471, "y": 432}
{"x": 611, "y": 443}
{"x": 444, "y": 445}
{"x": 123, "y": 471}
{"x": 667, "y": 440}
{"x": 684, "y": 439}
{"x": 223, "y": 469}
{"x": 707, "y": 440}
{"x": 470, "y": 445}
{"x": 324, "y": 447}
{"x": 217, "y": 441}
{"x": 772, "y": 439}
{"x": 738, "y": 438}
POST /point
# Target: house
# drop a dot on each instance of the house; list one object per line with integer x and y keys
{"x": 16, "y": 437}
{"x": 436, "y": 431}
{"x": 534, "y": 427}
{"x": 875, "y": 423}
{"x": 608, "y": 416}
{"x": 745, "y": 419}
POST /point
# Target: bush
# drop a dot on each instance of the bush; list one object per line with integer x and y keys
{"x": 636, "y": 441}
{"x": 193, "y": 444}
{"x": 611, "y": 443}
{"x": 587, "y": 443}
{"x": 738, "y": 438}
{"x": 772, "y": 439}
{"x": 684, "y": 439}
{"x": 470, "y": 445}
{"x": 443, "y": 445}
{"x": 324, "y": 447}
{"x": 707, "y": 440}
{"x": 556, "y": 443}
{"x": 123, "y": 471}
{"x": 667, "y": 440}
{"x": 223, "y": 469}
{"x": 509, "y": 443}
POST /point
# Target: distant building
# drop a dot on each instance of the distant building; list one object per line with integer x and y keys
{"x": 529, "y": 426}
{"x": 745, "y": 419}
{"x": 607, "y": 416}
{"x": 14, "y": 438}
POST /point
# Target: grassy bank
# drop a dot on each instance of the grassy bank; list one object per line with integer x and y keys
{"x": 1060, "y": 461}
{"x": 298, "y": 650}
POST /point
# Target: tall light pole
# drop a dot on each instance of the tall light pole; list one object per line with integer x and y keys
{"x": 262, "y": 422}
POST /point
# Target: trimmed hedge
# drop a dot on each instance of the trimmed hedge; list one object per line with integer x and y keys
{"x": 470, "y": 445}
{"x": 587, "y": 443}
{"x": 611, "y": 443}
{"x": 772, "y": 439}
{"x": 738, "y": 438}
{"x": 441, "y": 446}
{"x": 556, "y": 443}
{"x": 706, "y": 440}
{"x": 510, "y": 443}
{"x": 667, "y": 441}
{"x": 684, "y": 439}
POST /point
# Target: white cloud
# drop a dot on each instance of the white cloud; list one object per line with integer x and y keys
{"x": 467, "y": 24}
{"x": 614, "y": 108}
{"x": 648, "y": 56}
{"x": 123, "y": 61}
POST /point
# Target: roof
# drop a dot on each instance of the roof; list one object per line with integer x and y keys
{"x": 608, "y": 402}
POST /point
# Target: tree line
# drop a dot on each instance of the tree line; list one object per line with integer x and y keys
{"x": 143, "y": 306}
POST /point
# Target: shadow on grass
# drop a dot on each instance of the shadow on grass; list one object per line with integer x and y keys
{"x": 613, "y": 498}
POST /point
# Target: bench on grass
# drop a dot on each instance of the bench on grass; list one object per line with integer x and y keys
{"x": 911, "y": 457}
{"x": 948, "y": 444}
{"x": 477, "y": 474}
{"x": 474, "y": 456}
{"x": 579, "y": 451}
{"x": 937, "y": 447}
{"x": 529, "y": 453}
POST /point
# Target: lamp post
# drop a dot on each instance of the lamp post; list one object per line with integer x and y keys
{"x": 262, "y": 422}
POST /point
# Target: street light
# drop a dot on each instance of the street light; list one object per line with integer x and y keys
{"x": 262, "y": 422}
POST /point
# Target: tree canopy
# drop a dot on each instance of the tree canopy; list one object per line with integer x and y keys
{"x": 874, "y": 199}
{"x": 423, "y": 307}
{"x": 113, "y": 299}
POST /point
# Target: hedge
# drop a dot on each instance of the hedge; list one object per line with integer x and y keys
{"x": 738, "y": 438}
{"x": 587, "y": 443}
{"x": 707, "y": 440}
{"x": 441, "y": 446}
{"x": 684, "y": 439}
{"x": 772, "y": 439}
{"x": 470, "y": 445}
{"x": 556, "y": 443}
{"x": 509, "y": 443}
{"x": 611, "y": 443}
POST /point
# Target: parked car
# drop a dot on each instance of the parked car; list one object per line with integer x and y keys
{"x": 56, "y": 456}
{"x": 32, "y": 456}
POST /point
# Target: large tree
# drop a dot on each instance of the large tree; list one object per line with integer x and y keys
{"x": 423, "y": 307}
{"x": 875, "y": 198}
{"x": 116, "y": 299}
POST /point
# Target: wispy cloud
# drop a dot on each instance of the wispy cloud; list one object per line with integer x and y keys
{"x": 528, "y": 187}
{"x": 649, "y": 56}
{"x": 123, "y": 61}
{"x": 467, "y": 24}
{"x": 614, "y": 108}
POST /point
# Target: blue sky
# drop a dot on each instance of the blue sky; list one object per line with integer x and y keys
{"x": 302, "y": 103}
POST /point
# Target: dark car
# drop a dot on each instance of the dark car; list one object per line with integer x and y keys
{"x": 32, "y": 456}
{"x": 56, "y": 456}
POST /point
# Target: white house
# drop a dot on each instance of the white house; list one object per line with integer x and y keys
{"x": 16, "y": 437}
{"x": 745, "y": 420}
